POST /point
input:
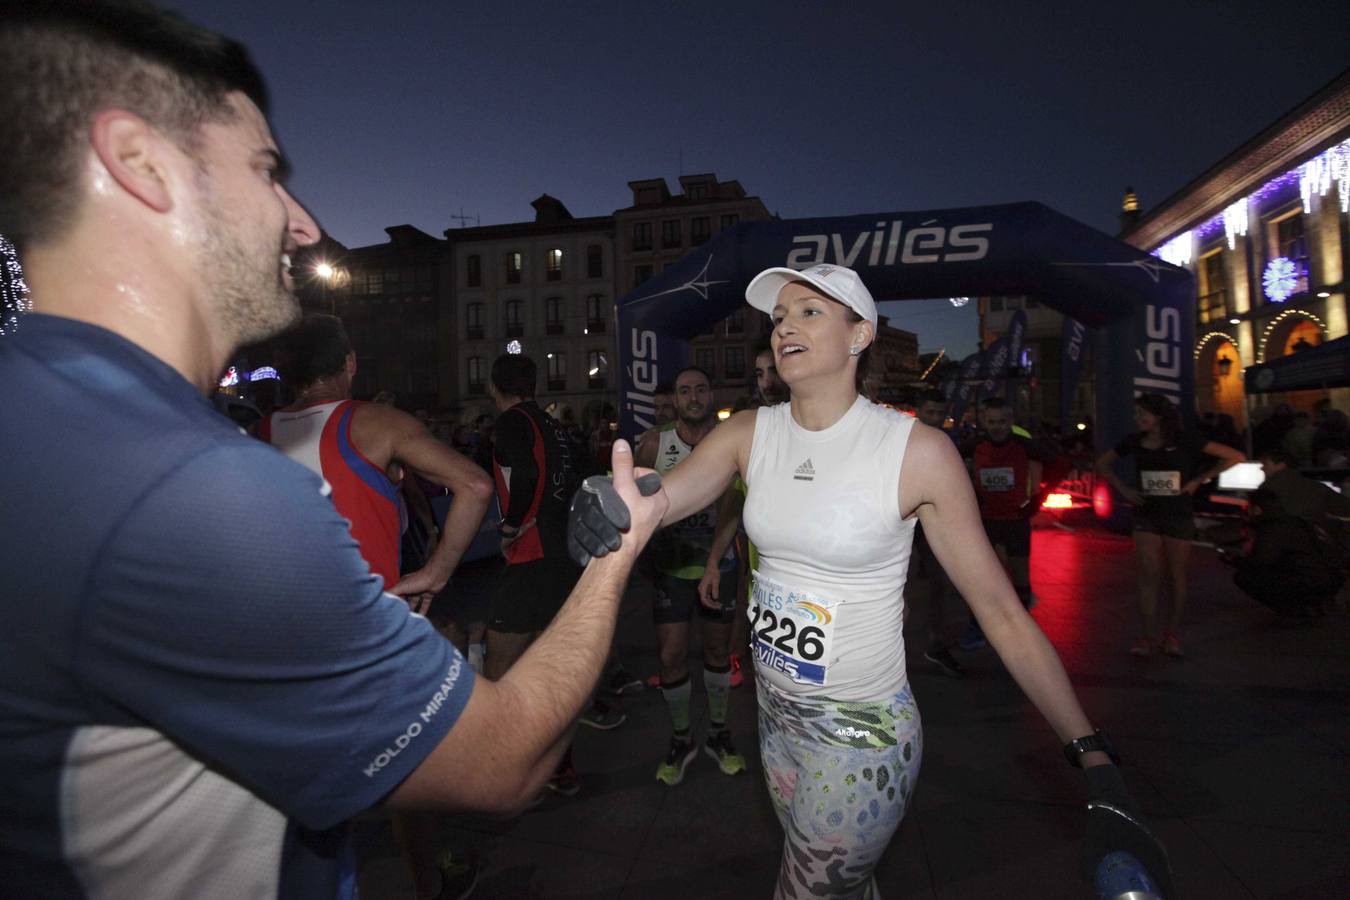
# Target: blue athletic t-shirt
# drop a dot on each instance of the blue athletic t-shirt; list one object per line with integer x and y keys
{"x": 200, "y": 680}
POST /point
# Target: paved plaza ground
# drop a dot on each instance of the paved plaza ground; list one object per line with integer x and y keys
{"x": 1239, "y": 754}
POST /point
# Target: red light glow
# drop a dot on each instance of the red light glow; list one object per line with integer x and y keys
{"x": 1058, "y": 501}
{"x": 1102, "y": 501}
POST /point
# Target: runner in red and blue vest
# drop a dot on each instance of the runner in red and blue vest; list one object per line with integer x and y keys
{"x": 1006, "y": 468}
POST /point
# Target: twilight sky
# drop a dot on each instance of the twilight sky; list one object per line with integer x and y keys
{"x": 410, "y": 112}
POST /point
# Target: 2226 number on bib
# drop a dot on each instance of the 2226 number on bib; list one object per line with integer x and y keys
{"x": 792, "y": 630}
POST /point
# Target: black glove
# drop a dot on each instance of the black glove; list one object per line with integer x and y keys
{"x": 1114, "y": 823}
{"x": 598, "y": 516}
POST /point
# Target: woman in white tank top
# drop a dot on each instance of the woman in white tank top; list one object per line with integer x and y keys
{"x": 835, "y": 484}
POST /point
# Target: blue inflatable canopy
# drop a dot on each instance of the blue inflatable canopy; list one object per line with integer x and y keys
{"x": 1137, "y": 306}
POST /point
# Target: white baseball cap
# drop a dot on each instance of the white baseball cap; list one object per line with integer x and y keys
{"x": 835, "y": 282}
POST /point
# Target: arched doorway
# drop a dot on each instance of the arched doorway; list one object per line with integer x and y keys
{"x": 1288, "y": 334}
{"x": 1218, "y": 377}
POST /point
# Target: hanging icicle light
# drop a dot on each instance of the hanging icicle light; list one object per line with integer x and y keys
{"x": 1317, "y": 174}
{"x": 1235, "y": 222}
{"x": 959, "y": 302}
{"x": 1178, "y": 250}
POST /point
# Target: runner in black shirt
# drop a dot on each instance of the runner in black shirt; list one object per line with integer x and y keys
{"x": 1170, "y": 466}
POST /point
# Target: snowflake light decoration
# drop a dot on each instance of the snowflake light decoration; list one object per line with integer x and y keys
{"x": 1280, "y": 279}
{"x": 514, "y": 348}
{"x": 14, "y": 299}
{"x": 959, "y": 302}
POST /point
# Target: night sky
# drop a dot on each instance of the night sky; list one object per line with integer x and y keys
{"x": 402, "y": 112}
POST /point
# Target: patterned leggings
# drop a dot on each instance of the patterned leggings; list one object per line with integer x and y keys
{"x": 841, "y": 775}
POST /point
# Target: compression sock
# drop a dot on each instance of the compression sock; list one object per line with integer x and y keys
{"x": 677, "y": 701}
{"x": 717, "y": 681}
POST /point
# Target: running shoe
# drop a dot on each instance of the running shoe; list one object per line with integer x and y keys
{"x": 603, "y": 717}
{"x": 1142, "y": 647}
{"x": 671, "y": 770}
{"x": 720, "y": 748}
{"x": 941, "y": 657}
{"x": 973, "y": 639}
{"x": 459, "y": 874}
{"x": 737, "y": 676}
{"x": 564, "y": 783}
{"x": 621, "y": 682}
{"x": 1171, "y": 646}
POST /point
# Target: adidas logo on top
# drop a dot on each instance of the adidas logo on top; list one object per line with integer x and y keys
{"x": 805, "y": 472}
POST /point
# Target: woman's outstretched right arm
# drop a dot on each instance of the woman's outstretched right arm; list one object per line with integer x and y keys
{"x": 703, "y": 477}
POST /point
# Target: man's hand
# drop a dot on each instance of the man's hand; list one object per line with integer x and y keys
{"x": 709, "y": 587}
{"x": 1114, "y": 823}
{"x": 605, "y": 508}
{"x": 419, "y": 588}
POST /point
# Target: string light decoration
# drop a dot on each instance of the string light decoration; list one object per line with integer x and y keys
{"x": 1317, "y": 175}
{"x": 933, "y": 365}
{"x": 1235, "y": 222}
{"x": 959, "y": 302}
{"x": 1178, "y": 250}
{"x": 1280, "y": 279}
{"x": 1275, "y": 322}
{"x": 14, "y": 297}
{"x": 1213, "y": 336}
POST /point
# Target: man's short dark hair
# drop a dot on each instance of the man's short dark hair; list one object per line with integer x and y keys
{"x": 314, "y": 348}
{"x": 1281, "y": 457}
{"x": 932, "y": 396}
{"x": 698, "y": 369}
{"x": 62, "y": 61}
{"x": 994, "y": 403}
{"x": 514, "y": 375}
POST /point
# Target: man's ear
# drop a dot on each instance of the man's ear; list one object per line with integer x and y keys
{"x": 350, "y": 364}
{"x": 133, "y": 153}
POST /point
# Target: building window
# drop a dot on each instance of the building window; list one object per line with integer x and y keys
{"x": 553, "y": 267}
{"x": 595, "y": 262}
{"x": 642, "y": 235}
{"x": 698, "y": 192}
{"x": 734, "y": 359}
{"x": 596, "y": 314}
{"x": 553, "y": 315}
{"x": 1212, "y": 303}
{"x": 557, "y": 371}
{"x": 1291, "y": 242}
{"x": 475, "y": 374}
{"x": 641, "y": 274}
{"x": 736, "y": 322}
{"x": 706, "y": 359}
{"x": 473, "y": 321}
{"x": 699, "y": 230}
{"x": 513, "y": 267}
{"x": 374, "y": 282}
{"x": 670, "y": 233}
{"x": 597, "y": 369}
{"x": 729, "y": 220}
{"x": 515, "y": 326}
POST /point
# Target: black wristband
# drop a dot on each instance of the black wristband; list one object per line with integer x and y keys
{"x": 1074, "y": 749}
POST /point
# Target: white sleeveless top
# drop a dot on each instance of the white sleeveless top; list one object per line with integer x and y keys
{"x": 823, "y": 509}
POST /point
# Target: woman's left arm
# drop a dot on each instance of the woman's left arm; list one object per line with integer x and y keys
{"x": 934, "y": 485}
{"x": 1227, "y": 458}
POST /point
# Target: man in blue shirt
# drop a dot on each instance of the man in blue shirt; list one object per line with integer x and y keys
{"x": 200, "y": 680}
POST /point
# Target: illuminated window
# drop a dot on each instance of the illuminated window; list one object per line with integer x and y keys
{"x": 1212, "y": 302}
{"x": 557, "y": 371}
{"x": 553, "y": 266}
{"x": 513, "y": 267}
{"x": 597, "y": 369}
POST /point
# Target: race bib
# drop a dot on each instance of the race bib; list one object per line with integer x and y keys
{"x": 997, "y": 480}
{"x": 1161, "y": 484}
{"x": 792, "y": 631}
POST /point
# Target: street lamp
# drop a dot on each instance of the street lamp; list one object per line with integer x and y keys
{"x": 326, "y": 274}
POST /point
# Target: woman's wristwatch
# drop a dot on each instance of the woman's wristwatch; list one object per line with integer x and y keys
{"x": 1074, "y": 749}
